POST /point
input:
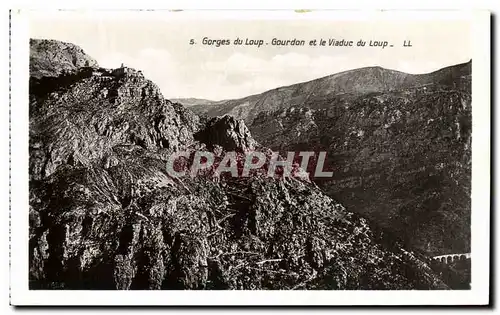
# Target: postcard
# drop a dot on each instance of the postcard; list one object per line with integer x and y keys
{"x": 250, "y": 157}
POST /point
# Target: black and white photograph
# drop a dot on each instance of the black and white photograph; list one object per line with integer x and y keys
{"x": 274, "y": 152}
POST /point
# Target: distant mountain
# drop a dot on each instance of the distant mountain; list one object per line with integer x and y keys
{"x": 399, "y": 145}
{"x": 191, "y": 101}
{"x": 50, "y": 58}
{"x": 339, "y": 86}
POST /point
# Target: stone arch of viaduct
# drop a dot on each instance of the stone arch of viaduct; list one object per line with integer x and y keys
{"x": 449, "y": 258}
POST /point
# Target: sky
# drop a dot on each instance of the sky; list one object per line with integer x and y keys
{"x": 158, "y": 43}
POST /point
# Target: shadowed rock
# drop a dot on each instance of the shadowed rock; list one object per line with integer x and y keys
{"x": 227, "y": 132}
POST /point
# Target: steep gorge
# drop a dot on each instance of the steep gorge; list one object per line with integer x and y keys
{"x": 105, "y": 214}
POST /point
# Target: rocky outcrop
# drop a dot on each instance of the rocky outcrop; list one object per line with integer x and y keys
{"x": 51, "y": 58}
{"x": 228, "y": 133}
{"x": 106, "y": 214}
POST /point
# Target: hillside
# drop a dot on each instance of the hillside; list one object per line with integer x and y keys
{"x": 399, "y": 145}
{"x": 106, "y": 214}
{"x": 51, "y": 58}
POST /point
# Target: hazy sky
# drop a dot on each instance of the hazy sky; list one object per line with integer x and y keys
{"x": 158, "y": 44}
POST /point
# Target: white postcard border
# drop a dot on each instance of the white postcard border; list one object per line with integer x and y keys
{"x": 478, "y": 295}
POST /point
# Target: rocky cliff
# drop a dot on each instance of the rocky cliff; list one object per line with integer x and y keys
{"x": 105, "y": 213}
{"x": 192, "y": 101}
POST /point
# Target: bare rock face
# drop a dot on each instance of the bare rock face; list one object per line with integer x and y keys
{"x": 227, "y": 132}
{"x": 85, "y": 116}
{"x": 323, "y": 91}
{"x": 51, "y": 58}
{"x": 105, "y": 213}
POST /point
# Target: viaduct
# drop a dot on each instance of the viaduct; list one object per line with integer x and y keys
{"x": 449, "y": 258}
